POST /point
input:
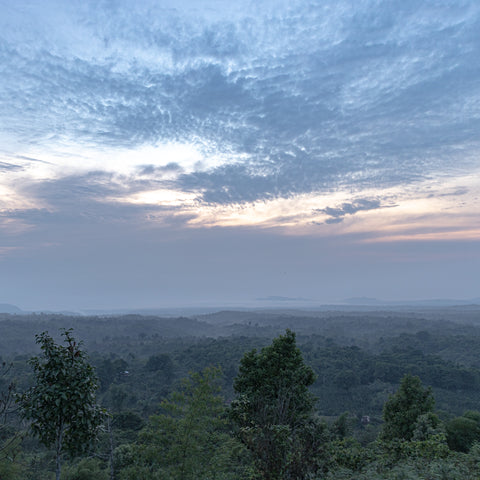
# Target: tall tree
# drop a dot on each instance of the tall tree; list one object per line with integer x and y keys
{"x": 274, "y": 409}
{"x": 403, "y": 409}
{"x": 189, "y": 440}
{"x": 61, "y": 405}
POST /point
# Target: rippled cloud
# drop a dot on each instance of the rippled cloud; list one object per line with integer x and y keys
{"x": 353, "y": 120}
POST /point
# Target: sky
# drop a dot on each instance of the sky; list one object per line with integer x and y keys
{"x": 201, "y": 152}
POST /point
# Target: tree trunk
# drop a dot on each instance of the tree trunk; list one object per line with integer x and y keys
{"x": 111, "y": 457}
{"x": 58, "y": 452}
{"x": 58, "y": 469}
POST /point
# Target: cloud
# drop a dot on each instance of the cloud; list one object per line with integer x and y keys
{"x": 9, "y": 167}
{"x": 279, "y": 99}
{"x": 337, "y": 214}
{"x": 458, "y": 192}
{"x": 333, "y": 220}
{"x": 165, "y": 169}
{"x": 352, "y": 208}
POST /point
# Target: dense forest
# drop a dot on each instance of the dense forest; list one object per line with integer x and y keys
{"x": 263, "y": 395}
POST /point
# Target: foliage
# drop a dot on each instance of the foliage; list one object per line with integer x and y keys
{"x": 434, "y": 447}
{"x": 464, "y": 431}
{"x": 9, "y": 437}
{"x": 347, "y": 454}
{"x": 10, "y": 470}
{"x": 189, "y": 439}
{"x": 403, "y": 409}
{"x": 427, "y": 424}
{"x": 357, "y": 367}
{"x": 274, "y": 409}
{"x": 358, "y": 356}
{"x": 61, "y": 406}
{"x": 108, "y": 370}
{"x": 162, "y": 364}
{"x": 86, "y": 469}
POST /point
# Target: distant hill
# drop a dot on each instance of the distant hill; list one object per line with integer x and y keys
{"x": 363, "y": 301}
{"x": 446, "y": 302}
{"x": 7, "y": 308}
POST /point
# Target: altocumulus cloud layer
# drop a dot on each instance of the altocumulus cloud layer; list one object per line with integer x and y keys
{"x": 322, "y": 118}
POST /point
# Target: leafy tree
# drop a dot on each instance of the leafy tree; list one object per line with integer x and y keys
{"x": 427, "y": 425}
{"x": 61, "y": 406}
{"x": 403, "y": 409}
{"x": 188, "y": 440}
{"x": 274, "y": 409}
{"x": 464, "y": 431}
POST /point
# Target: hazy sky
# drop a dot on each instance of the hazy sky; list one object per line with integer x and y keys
{"x": 159, "y": 153}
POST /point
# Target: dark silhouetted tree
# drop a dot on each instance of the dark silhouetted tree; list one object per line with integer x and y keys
{"x": 274, "y": 409}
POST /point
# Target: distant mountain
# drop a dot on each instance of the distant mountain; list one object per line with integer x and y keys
{"x": 435, "y": 302}
{"x": 278, "y": 298}
{"x": 66, "y": 313}
{"x": 158, "y": 312}
{"x": 7, "y": 308}
{"x": 363, "y": 301}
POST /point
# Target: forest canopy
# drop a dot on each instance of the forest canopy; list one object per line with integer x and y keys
{"x": 398, "y": 390}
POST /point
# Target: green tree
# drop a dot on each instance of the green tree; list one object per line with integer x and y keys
{"x": 189, "y": 439}
{"x": 61, "y": 405}
{"x": 403, "y": 409}
{"x": 464, "y": 431}
{"x": 274, "y": 409}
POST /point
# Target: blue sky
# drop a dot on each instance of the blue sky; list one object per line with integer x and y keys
{"x": 158, "y": 153}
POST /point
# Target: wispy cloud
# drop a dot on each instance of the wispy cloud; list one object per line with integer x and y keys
{"x": 9, "y": 167}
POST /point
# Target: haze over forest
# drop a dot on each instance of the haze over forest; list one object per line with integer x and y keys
{"x": 200, "y": 153}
